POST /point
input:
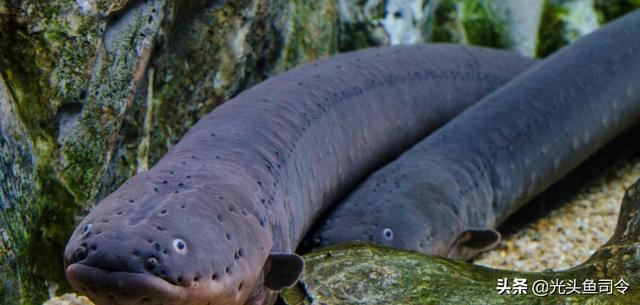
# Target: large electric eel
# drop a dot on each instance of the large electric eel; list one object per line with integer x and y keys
{"x": 216, "y": 220}
{"x": 445, "y": 195}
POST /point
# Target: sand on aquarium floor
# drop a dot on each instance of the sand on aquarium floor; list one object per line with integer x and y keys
{"x": 570, "y": 234}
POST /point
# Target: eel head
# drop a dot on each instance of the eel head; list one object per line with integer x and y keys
{"x": 141, "y": 247}
{"x": 428, "y": 221}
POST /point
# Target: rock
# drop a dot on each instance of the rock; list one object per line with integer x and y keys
{"x": 69, "y": 299}
{"x": 522, "y": 18}
{"x": 565, "y": 22}
{"x": 368, "y": 274}
{"x": 609, "y": 10}
{"x": 93, "y": 91}
{"x": 529, "y": 27}
{"x": 492, "y": 23}
{"x": 496, "y": 23}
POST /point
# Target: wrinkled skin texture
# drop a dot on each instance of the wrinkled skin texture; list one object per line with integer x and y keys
{"x": 249, "y": 179}
{"x": 497, "y": 155}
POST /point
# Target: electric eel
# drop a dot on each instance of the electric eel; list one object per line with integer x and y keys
{"x": 445, "y": 195}
{"x": 217, "y": 219}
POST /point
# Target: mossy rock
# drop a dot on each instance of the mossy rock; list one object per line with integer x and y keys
{"x": 494, "y": 23}
{"x": 565, "y": 21}
{"x": 369, "y": 274}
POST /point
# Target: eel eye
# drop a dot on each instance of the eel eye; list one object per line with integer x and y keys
{"x": 180, "y": 246}
{"x": 388, "y": 234}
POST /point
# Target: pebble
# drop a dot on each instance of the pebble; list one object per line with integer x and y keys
{"x": 69, "y": 299}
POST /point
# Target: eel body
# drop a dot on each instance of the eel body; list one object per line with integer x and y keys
{"x": 216, "y": 220}
{"x": 445, "y": 195}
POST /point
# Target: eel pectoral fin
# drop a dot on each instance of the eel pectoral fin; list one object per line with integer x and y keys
{"x": 479, "y": 239}
{"x": 282, "y": 270}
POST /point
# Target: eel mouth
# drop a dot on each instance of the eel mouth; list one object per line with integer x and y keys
{"x": 124, "y": 288}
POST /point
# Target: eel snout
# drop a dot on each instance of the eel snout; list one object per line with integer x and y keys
{"x": 123, "y": 254}
{"x": 122, "y": 288}
{"x": 385, "y": 225}
{"x": 129, "y": 287}
{"x": 122, "y": 278}
{"x": 421, "y": 216}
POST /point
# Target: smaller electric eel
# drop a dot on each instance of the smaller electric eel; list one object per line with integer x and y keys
{"x": 446, "y": 195}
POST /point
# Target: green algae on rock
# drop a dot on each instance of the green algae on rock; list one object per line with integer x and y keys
{"x": 367, "y": 274}
{"x": 375, "y": 22}
{"x": 494, "y": 23}
{"x": 565, "y": 21}
{"x": 209, "y": 56}
{"x": 529, "y": 27}
{"x": 612, "y": 9}
{"x": 312, "y": 32}
{"x": 40, "y": 71}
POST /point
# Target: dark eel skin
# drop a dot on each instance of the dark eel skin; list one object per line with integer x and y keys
{"x": 216, "y": 220}
{"x": 445, "y": 195}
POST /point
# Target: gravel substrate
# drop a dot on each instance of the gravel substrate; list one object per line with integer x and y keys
{"x": 69, "y": 299}
{"x": 570, "y": 234}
